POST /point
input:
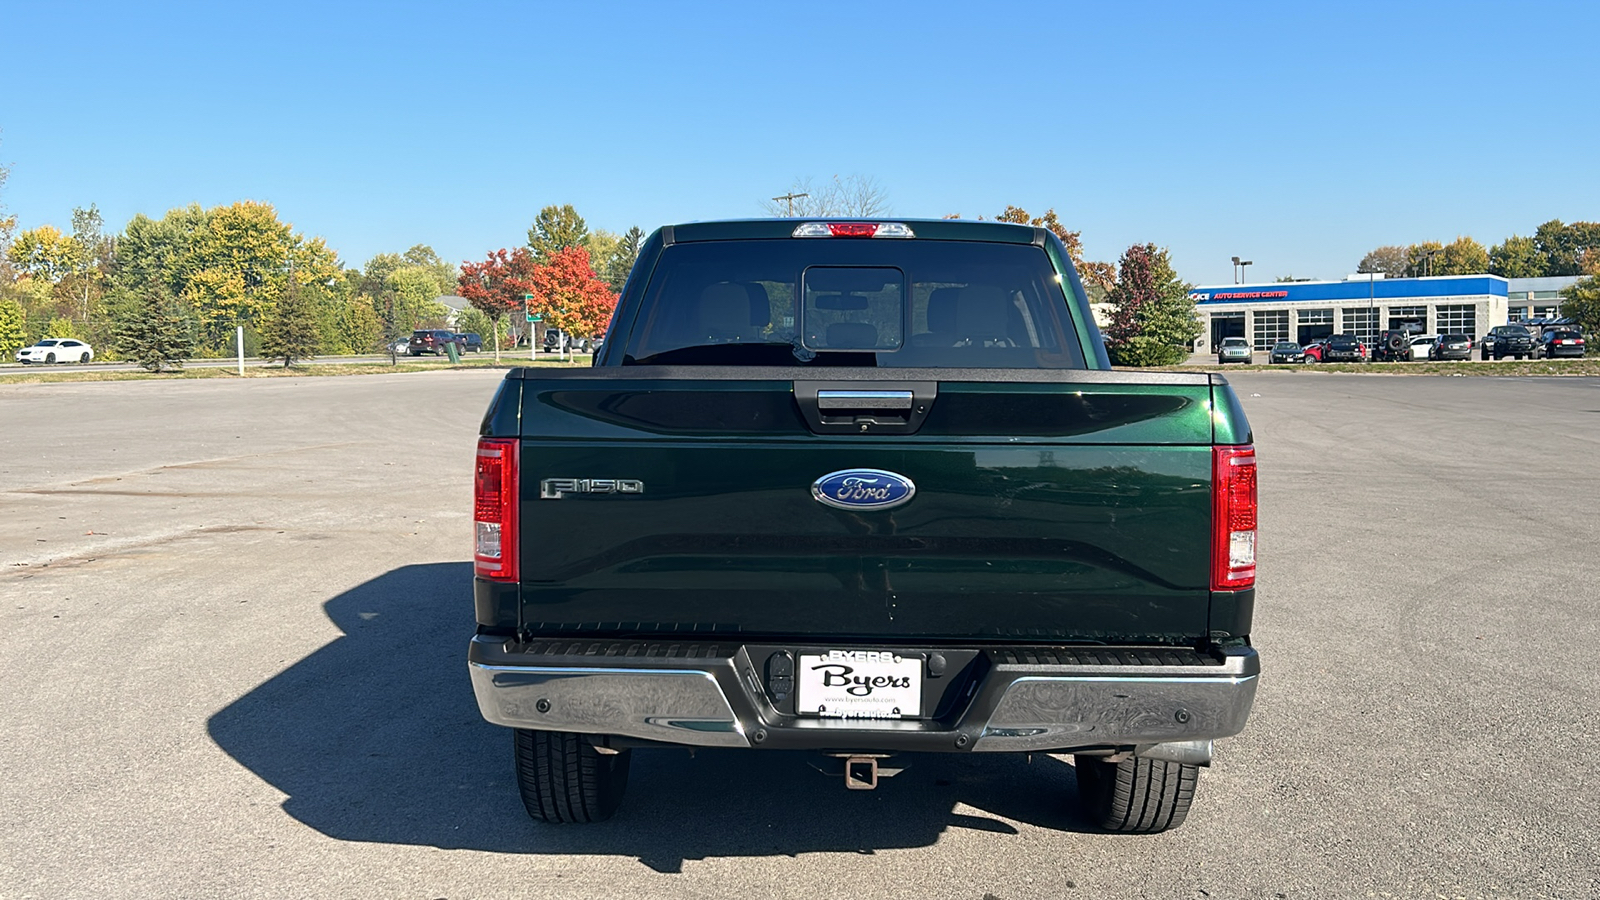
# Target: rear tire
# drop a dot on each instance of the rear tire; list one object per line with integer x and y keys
{"x": 1135, "y": 796}
{"x": 563, "y": 778}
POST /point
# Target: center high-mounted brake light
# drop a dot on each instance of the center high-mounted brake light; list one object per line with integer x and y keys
{"x": 494, "y": 504}
{"x": 854, "y": 229}
{"x": 1233, "y": 518}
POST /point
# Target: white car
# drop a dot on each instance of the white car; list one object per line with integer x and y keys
{"x": 52, "y": 350}
{"x": 1421, "y": 346}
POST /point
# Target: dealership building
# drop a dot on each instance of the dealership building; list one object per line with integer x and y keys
{"x": 1363, "y": 305}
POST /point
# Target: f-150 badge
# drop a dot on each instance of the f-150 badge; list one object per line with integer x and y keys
{"x": 556, "y": 488}
{"x": 863, "y": 489}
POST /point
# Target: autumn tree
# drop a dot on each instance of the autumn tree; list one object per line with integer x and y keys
{"x": 570, "y": 296}
{"x": 1462, "y": 256}
{"x": 44, "y": 253}
{"x": 1422, "y": 259}
{"x": 151, "y": 330}
{"x": 1389, "y": 260}
{"x": 1516, "y": 257}
{"x": 555, "y": 229}
{"x": 1103, "y": 275}
{"x": 496, "y": 285}
{"x": 1153, "y": 322}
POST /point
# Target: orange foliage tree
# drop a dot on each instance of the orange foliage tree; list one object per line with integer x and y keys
{"x": 569, "y": 295}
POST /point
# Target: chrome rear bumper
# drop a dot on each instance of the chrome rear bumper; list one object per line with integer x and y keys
{"x": 709, "y": 695}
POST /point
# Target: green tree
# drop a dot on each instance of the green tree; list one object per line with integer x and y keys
{"x": 1153, "y": 322}
{"x": 154, "y": 253}
{"x": 620, "y": 265}
{"x": 474, "y": 320}
{"x": 290, "y": 331}
{"x": 1388, "y": 260}
{"x": 13, "y": 328}
{"x": 1564, "y": 246}
{"x": 1516, "y": 257}
{"x": 61, "y": 327}
{"x": 1581, "y": 302}
{"x": 414, "y": 290}
{"x": 1462, "y": 256}
{"x": 556, "y": 229}
{"x": 151, "y": 329}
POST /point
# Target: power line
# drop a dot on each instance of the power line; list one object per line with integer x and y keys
{"x": 790, "y": 198}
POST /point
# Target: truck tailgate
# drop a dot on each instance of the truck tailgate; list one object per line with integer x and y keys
{"x": 1068, "y": 506}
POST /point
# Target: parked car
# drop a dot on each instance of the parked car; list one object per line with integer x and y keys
{"x": 1451, "y": 346}
{"x": 1234, "y": 349}
{"x": 553, "y": 341}
{"x": 1421, "y": 347}
{"x": 1286, "y": 352}
{"x": 399, "y": 346}
{"x": 472, "y": 341}
{"x": 1312, "y": 352}
{"x": 54, "y": 350}
{"x": 1343, "y": 348}
{"x": 1394, "y": 345}
{"x": 1559, "y": 343}
{"x": 1507, "y": 340}
{"x": 433, "y": 341}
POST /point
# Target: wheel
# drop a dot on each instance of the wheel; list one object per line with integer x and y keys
{"x": 84, "y": 358}
{"x": 49, "y": 357}
{"x": 563, "y": 778}
{"x": 1135, "y": 796}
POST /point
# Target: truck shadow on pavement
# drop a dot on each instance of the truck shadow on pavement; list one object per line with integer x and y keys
{"x": 376, "y": 737}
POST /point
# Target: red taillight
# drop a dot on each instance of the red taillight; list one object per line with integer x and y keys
{"x": 494, "y": 502}
{"x": 1233, "y": 518}
{"x": 852, "y": 229}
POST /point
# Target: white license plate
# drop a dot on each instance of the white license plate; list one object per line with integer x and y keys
{"x": 865, "y": 684}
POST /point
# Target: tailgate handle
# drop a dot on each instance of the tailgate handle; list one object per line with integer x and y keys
{"x": 834, "y": 400}
{"x": 844, "y": 407}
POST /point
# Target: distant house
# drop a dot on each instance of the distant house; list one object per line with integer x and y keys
{"x": 453, "y": 303}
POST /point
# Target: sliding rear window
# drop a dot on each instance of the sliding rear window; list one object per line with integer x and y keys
{"x": 854, "y": 302}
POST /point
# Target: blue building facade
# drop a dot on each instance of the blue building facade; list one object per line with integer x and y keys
{"x": 1360, "y": 305}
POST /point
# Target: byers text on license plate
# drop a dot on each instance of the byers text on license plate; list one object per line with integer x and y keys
{"x": 870, "y": 684}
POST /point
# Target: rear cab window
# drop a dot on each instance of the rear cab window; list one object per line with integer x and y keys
{"x": 865, "y": 302}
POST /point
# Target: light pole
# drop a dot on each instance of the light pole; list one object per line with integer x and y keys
{"x": 1427, "y": 260}
{"x": 1238, "y": 268}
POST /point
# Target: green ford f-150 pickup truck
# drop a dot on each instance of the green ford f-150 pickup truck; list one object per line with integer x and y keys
{"x": 863, "y": 488}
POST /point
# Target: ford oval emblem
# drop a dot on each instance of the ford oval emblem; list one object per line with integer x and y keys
{"x": 863, "y": 489}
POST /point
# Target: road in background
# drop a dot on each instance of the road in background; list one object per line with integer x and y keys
{"x": 233, "y": 627}
{"x": 255, "y": 362}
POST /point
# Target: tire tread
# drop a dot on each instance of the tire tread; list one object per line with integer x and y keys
{"x": 563, "y": 778}
{"x": 1136, "y": 796}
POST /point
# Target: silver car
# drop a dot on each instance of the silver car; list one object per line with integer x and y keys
{"x": 1234, "y": 349}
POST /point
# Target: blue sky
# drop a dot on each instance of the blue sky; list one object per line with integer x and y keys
{"x": 1294, "y": 136}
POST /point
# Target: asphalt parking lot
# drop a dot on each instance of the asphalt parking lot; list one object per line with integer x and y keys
{"x": 233, "y": 622}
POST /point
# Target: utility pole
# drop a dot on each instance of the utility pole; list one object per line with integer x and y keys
{"x": 790, "y": 198}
